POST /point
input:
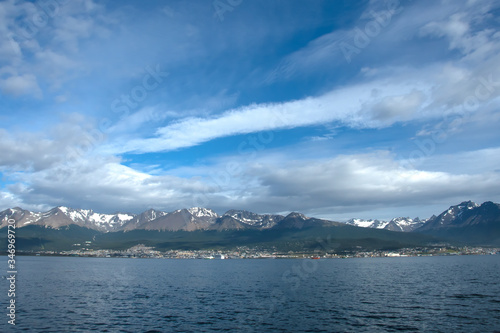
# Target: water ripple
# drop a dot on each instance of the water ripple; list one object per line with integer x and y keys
{"x": 436, "y": 294}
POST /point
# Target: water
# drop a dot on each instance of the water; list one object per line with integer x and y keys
{"x": 423, "y": 294}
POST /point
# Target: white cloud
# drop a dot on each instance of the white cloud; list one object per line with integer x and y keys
{"x": 454, "y": 28}
{"x": 21, "y": 85}
{"x": 364, "y": 183}
{"x": 402, "y": 107}
{"x": 355, "y": 106}
{"x": 26, "y": 151}
{"x": 103, "y": 184}
{"x": 39, "y": 42}
{"x": 54, "y": 64}
{"x": 480, "y": 161}
{"x": 73, "y": 138}
{"x": 149, "y": 116}
{"x": 465, "y": 33}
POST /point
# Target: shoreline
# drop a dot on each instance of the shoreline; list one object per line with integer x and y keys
{"x": 148, "y": 253}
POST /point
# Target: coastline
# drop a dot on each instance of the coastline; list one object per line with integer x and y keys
{"x": 142, "y": 252}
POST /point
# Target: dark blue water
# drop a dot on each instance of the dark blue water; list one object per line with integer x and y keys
{"x": 424, "y": 294}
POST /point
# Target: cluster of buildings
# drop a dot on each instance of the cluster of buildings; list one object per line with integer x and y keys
{"x": 142, "y": 251}
{"x": 420, "y": 252}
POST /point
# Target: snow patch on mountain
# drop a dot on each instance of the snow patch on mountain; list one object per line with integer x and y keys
{"x": 396, "y": 224}
{"x": 91, "y": 219}
{"x": 202, "y": 212}
{"x": 264, "y": 221}
{"x": 368, "y": 223}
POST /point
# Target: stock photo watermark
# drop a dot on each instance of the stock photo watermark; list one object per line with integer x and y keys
{"x": 138, "y": 94}
{"x": 292, "y": 279}
{"x": 223, "y": 6}
{"x": 363, "y": 36}
{"x": 30, "y": 25}
{"x": 356, "y": 41}
{"x": 426, "y": 147}
{"x": 11, "y": 271}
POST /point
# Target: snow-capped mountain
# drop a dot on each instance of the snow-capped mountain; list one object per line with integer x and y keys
{"x": 64, "y": 216}
{"x": 184, "y": 219}
{"x": 90, "y": 219}
{"x": 467, "y": 222}
{"x": 464, "y": 220}
{"x": 404, "y": 224}
{"x": 255, "y": 220}
{"x": 142, "y": 219}
{"x": 464, "y": 214}
{"x": 21, "y": 216}
{"x": 191, "y": 219}
{"x": 296, "y": 220}
{"x": 200, "y": 212}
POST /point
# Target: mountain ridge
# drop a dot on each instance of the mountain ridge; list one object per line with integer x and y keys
{"x": 464, "y": 221}
{"x": 196, "y": 228}
{"x": 186, "y": 219}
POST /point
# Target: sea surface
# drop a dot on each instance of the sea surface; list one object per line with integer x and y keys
{"x": 412, "y": 294}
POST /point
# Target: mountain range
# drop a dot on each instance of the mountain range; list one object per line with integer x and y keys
{"x": 467, "y": 222}
{"x": 191, "y": 219}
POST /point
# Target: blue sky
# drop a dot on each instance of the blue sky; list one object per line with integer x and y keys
{"x": 336, "y": 109}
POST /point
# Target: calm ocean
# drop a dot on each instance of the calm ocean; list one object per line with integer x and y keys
{"x": 421, "y": 294}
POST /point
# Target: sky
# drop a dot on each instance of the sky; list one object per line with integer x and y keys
{"x": 336, "y": 109}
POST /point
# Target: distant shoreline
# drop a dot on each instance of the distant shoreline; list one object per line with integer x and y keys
{"x": 231, "y": 255}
